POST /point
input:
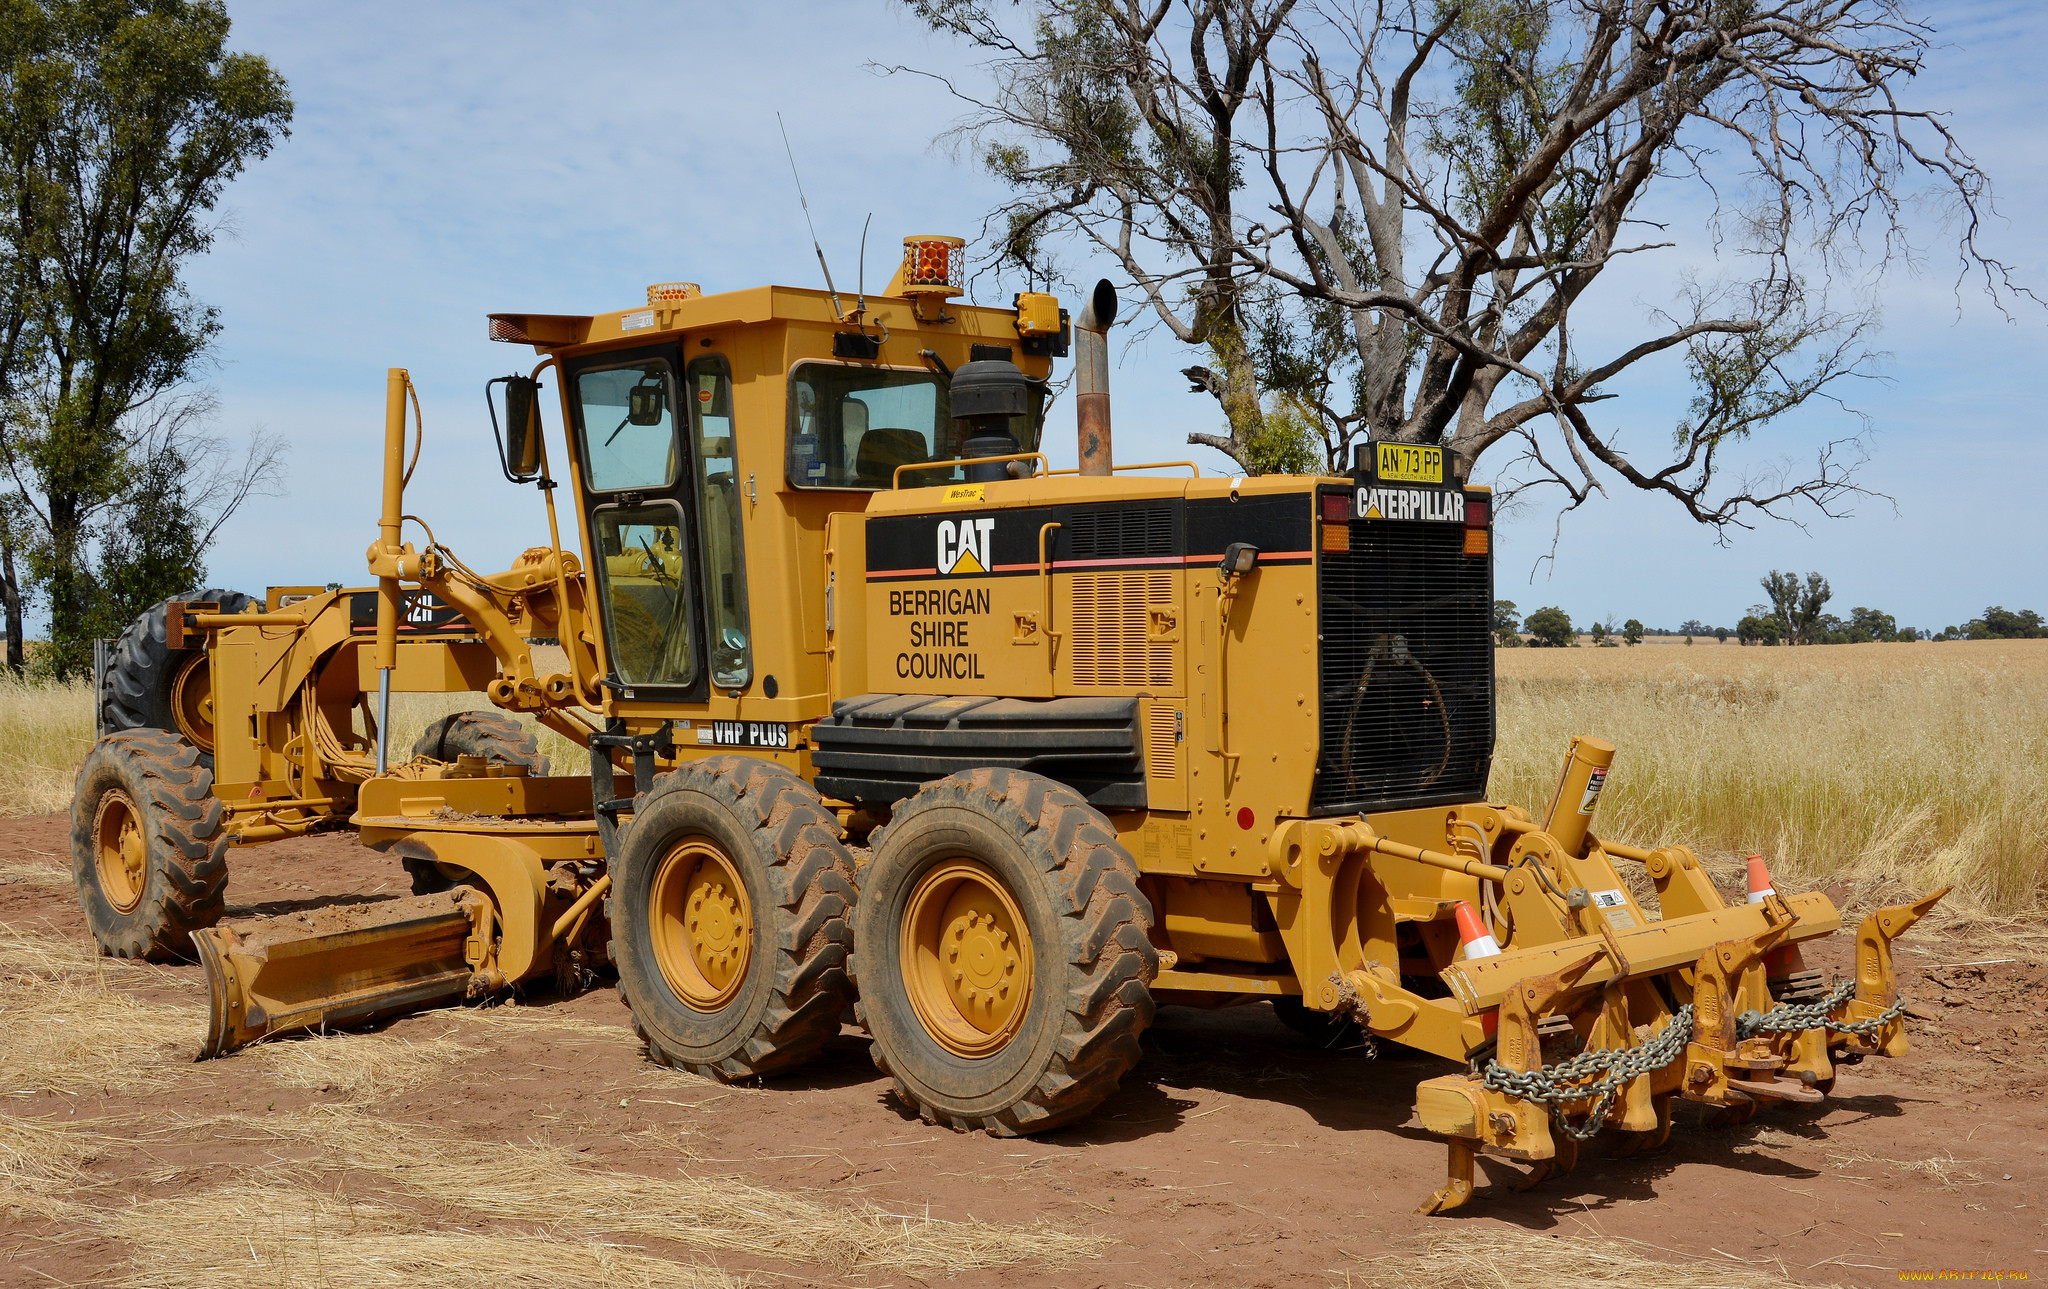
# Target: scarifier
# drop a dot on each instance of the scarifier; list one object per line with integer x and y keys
{"x": 1114, "y": 737}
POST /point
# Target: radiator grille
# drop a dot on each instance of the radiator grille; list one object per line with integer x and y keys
{"x": 1112, "y": 646}
{"x": 1125, "y": 533}
{"x": 1407, "y": 615}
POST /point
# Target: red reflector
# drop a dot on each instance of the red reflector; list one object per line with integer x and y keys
{"x": 1478, "y": 507}
{"x": 1336, "y": 508}
{"x": 1245, "y": 818}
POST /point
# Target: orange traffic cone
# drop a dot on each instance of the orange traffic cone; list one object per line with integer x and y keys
{"x": 1472, "y": 933}
{"x": 1479, "y": 943}
{"x": 1781, "y": 962}
{"x": 1759, "y": 880}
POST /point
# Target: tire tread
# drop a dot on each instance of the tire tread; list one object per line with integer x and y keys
{"x": 812, "y": 880}
{"x": 182, "y": 818}
{"x": 1104, "y": 935}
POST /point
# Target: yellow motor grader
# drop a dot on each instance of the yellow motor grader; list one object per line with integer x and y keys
{"x": 1113, "y": 737}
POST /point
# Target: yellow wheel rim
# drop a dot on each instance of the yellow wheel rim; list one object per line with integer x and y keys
{"x": 192, "y": 702}
{"x": 702, "y": 923}
{"x": 120, "y": 851}
{"x": 966, "y": 958}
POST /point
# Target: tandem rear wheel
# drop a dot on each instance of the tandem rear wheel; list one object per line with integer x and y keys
{"x": 1002, "y": 954}
{"x": 729, "y": 911}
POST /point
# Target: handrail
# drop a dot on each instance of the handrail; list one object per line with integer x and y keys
{"x": 1139, "y": 465}
{"x": 896, "y": 479}
{"x": 1045, "y": 579}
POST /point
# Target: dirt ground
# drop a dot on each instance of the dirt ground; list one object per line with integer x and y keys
{"x": 1235, "y": 1154}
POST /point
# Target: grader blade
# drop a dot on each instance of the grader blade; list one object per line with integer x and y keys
{"x": 339, "y": 966}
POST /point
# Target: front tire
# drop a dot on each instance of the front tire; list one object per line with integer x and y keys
{"x": 729, "y": 912}
{"x": 1003, "y": 958}
{"x": 147, "y": 851}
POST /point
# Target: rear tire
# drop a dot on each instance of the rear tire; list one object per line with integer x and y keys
{"x": 494, "y": 736}
{"x": 151, "y": 686}
{"x": 960, "y": 861}
{"x": 147, "y": 851}
{"x": 729, "y": 912}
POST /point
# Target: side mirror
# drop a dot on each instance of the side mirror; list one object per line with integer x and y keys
{"x": 519, "y": 441}
{"x": 646, "y": 402}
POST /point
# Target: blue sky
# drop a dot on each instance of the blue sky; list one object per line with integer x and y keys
{"x": 453, "y": 159}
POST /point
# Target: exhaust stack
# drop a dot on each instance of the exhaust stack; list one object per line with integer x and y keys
{"x": 1091, "y": 378}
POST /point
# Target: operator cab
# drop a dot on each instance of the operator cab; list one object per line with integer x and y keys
{"x": 714, "y": 433}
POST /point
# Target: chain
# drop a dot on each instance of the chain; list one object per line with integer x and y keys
{"x": 1790, "y": 1018}
{"x": 1554, "y": 1085}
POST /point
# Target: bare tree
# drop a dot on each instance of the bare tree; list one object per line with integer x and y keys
{"x": 1390, "y": 213}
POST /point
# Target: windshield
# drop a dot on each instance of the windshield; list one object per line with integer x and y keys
{"x": 629, "y": 438}
{"x": 850, "y": 427}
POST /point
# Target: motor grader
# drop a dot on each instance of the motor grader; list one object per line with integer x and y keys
{"x": 1112, "y": 737}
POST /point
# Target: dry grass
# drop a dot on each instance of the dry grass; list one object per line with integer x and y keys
{"x": 1890, "y": 767}
{"x": 49, "y": 875}
{"x": 361, "y": 1069}
{"x": 290, "y": 1235}
{"x": 68, "y": 1024}
{"x": 1499, "y": 1258}
{"x": 45, "y": 731}
{"x": 557, "y": 1187}
{"x": 71, "y": 1023}
{"x": 40, "y": 1161}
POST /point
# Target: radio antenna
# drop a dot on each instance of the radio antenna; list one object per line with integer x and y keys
{"x": 861, "y": 282}
{"x": 833, "y": 291}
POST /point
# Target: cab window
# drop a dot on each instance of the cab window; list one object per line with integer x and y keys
{"x": 852, "y": 426}
{"x": 644, "y": 586}
{"x": 719, "y": 509}
{"x": 629, "y": 439}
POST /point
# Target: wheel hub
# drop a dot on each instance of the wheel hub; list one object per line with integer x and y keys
{"x": 967, "y": 958}
{"x": 120, "y": 851}
{"x": 702, "y": 926}
{"x": 192, "y": 702}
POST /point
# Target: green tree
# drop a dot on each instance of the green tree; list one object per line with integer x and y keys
{"x": 1758, "y": 629}
{"x": 1632, "y": 632}
{"x": 1869, "y": 624}
{"x": 1796, "y": 606}
{"x": 1507, "y": 624}
{"x": 2000, "y": 623}
{"x": 122, "y": 121}
{"x": 1551, "y": 627}
{"x": 1391, "y": 211}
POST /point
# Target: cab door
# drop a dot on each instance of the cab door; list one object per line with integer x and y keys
{"x": 644, "y": 557}
{"x": 658, "y": 461}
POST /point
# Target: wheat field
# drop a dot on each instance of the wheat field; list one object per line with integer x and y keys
{"x": 1897, "y": 766}
{"x": 1892, "y": 766}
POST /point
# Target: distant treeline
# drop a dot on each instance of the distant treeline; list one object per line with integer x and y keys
{"x": 1796, "y": 614}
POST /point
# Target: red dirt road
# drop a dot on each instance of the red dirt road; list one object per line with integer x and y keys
{"x": 1234, "y": 1155}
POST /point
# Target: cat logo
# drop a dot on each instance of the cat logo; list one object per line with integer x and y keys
{"x": 964, "y": 545}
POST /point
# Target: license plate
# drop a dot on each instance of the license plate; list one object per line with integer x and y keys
{"x": 744, "y": 734}
{"x": 1410, "y": 463}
